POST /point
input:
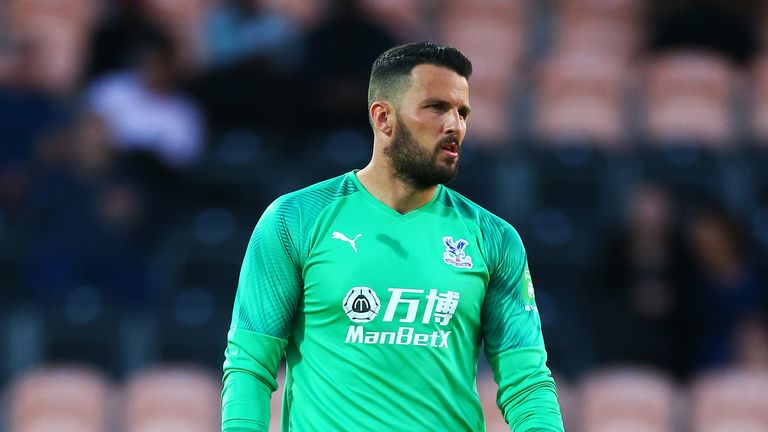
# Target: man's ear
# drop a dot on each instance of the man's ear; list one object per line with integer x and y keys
{"x": 382, "y": 117}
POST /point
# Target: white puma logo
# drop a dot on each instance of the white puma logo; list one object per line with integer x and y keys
{"x": 339, "y": 236}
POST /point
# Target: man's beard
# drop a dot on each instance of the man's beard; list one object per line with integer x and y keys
{"x": 415, "y": 166}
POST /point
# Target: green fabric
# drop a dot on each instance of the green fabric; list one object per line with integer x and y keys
{"x": 271, "y": 270}
{"x": 384, "y": 314}
{"x": 250, "y": 369}
{"x": 527, "y": 396}
{"x": 510, "y": 316}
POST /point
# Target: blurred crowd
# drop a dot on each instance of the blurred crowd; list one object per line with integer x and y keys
{"x": 141, "y": 139}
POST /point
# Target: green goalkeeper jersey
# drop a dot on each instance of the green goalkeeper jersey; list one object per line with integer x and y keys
{"x": 381, "y": 317}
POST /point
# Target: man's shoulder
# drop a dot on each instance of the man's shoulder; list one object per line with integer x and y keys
{"x": 470, "y": 210}
{"x": 499, "y": 236}
{"x": 315, "y": 197}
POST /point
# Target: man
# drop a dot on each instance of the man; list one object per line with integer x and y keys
{"x": 144, "y": 109}
{"x": 381, "y": 284}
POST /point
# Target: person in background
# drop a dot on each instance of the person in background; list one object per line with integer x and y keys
{"x": 730, "y": 297}
{"x": 27, "y": 115}
{"x": 642, "y": 313}
{"x": 84, "y": 214}
{"x": 145, "y": 110}
{"x": 237, "y": 29}
{"x": 337, "y": 65}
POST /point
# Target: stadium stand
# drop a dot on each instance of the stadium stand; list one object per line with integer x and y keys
{"x": 581, "y": 100}
{"x": 486, "y": 388}
{"x": 630, "y": 400}
{"x": 493, "y": 35}
{"x": 494, "y": 421}
{"x": 689, "y": 99}
{"x": 276, "y": 404}
{"x": 57, "y": 31}
{"x": 62, "y": 398}
{"x": 611, "y": 29}
{"x": 171, "y": 398}
{"x": 730, "y": 400}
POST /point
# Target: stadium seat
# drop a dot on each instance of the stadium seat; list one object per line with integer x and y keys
{"x": 580, "y": 99}
{"x": 730, "y": 400}
{"x": 629, "y": 400}
{"x": 306, "y": 12}
{"x": 625, "y": 12}
{"x": 60, "y": 398}
{"x": 75, "y": 13}
{"x": 608, "y": 27}
{"x": 495, "y": 44}
{"x": 172, "y": 398}
{"x": 406, "y": 19}
{"x": 275, "y": 406}
{"x": 491, "y": 124}
{"x": 59, "y": 53}
{"x": 569, "y": 407}
{"x": 494, "y": 421}
{"x": 58, "y": 31}
{"x": 503, "y": 9}
{"x": 598, "y": 36}
{"x": 177, "y": 11}
{"x": 492, "y": 34}
{"x": 486, "y": 388}
{"x": 688, "y": 99}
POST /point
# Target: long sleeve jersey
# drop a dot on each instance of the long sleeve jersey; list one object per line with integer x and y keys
{"x": 381, "y": 317}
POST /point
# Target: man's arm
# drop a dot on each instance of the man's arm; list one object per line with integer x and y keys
{"x": 514, "y": 344}
{"x": 267, "y": 295}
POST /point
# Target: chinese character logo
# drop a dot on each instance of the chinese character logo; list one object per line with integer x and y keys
{"x": 454, "y": 253}
{"x": 444, "y": 305}
{"x": 440, "y": 306}
{"x": 361, "y": 304}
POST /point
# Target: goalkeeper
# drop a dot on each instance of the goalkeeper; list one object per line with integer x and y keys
{"x": 380, "y": 285}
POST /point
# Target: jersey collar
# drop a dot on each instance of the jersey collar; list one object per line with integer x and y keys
{"x": 387, "y": 209}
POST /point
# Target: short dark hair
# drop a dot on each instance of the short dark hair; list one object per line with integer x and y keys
{"x": 391, "y": 72}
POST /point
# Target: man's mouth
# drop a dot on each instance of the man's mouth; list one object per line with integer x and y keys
{"x": 450, "y": 148}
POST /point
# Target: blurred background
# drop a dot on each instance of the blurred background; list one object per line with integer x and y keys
{"x": 140, "y": 140}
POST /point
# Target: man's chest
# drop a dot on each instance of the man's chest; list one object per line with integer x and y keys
{"x": 426, "y": 275}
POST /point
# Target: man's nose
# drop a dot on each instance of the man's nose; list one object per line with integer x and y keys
{"x": 455, "y": 123}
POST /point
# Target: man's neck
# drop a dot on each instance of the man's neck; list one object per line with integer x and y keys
{"x": 380, "y": 181}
